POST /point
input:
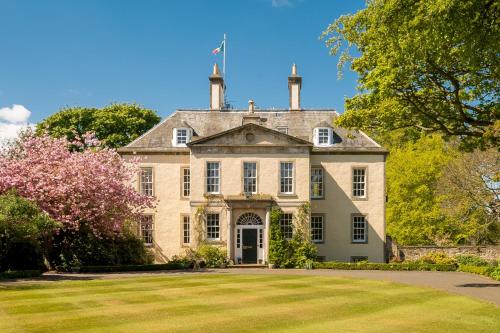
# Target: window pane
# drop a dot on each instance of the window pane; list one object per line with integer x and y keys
{"x": 358, "y": 182}
{"x": 182, "y": 135}
{"x": 358, "y": 229}
{"x": 146, "y": 228}
{"x": 286, "y": 225}
{"x": 186, "y": 228}
{"x": 213, "y": 177}
{"x": 282, "y": 129}
{"x": 317, "y": 182}
{"x": 286, "y": 177}
{"x": 213, "y": 226}
{"x": 323, "y": 136}
{"x": 250, "y": 177}
{"x": 146, "y": 181}
{"x": 186, "y": 182}
{"x": 317, "y": 226}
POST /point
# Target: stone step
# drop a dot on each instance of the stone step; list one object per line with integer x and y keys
{"x": 247, "y": 266}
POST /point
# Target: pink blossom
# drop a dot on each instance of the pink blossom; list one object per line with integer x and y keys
{"x": 91, "y": 187}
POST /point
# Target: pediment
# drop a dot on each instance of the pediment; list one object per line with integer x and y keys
{"x": 250, "y": 135}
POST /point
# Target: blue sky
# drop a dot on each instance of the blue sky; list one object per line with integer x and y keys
{"x": 158, "y": 53}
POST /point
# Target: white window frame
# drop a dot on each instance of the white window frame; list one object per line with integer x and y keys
{"x": 287, "y": 181}
{"x": 212, "y": 178}
{"x": 147, "y": 234}
{"x": 250, "y": 177}
{"x": 359, "y": 188}
{"x": 321, "y": 183}
{"x": 316, "y": 136}
{"x": 146, "y": 181}
{"x": 182, "y": 132}
{"x": 213, "y": 226}
{"x": 186, "y": 229}
{"x": 317, "y": 224}
{"x": 359, "y": 227}
{"x": 286, "y": 225}
{"x": 186, "y": 182}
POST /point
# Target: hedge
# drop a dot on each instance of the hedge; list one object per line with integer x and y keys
{"x": 19, "y": 274}
{"x": 133, "y": 268}
{"x": 408, "y": 266}
{"x": 489, "y": 271}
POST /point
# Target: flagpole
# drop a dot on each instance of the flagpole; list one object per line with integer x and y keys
{"x": 224, "y": 58}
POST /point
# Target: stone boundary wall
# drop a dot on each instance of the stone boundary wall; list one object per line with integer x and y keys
{"x": 416, "y": 252}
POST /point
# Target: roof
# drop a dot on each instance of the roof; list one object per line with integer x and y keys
{"x": 206, "y": 123}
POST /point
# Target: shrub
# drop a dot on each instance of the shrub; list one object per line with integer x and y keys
{"x": 23, "y": 227}
{"x": 481, "y": 270}
{"x": 439, "y": 258}
{"x": 19, "y": 274}
{"x": 213, "y": 256}
{"x": 471, "y": 260}
{"x": 406, "y": 266}
{"x": 495, "y": 273}
{"x": 83, "y": 248}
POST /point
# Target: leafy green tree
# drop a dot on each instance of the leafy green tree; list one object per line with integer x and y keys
{"x": 470, "y": 187}
{"x": 23, "y": 227}
{"x": 429, "y": 65}
{"x": 413, "y": 211}
{"x": 115, "y": 125}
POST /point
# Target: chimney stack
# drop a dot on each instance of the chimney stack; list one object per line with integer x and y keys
{"x": 216, "y": 90}
{"x": 294, "y": 86}
{"x": 251, "y": 106}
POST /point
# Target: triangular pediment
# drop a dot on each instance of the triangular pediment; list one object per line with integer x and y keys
{"x": 250, "y": 135}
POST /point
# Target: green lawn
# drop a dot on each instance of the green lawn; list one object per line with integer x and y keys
{"x": 238, "y": 303}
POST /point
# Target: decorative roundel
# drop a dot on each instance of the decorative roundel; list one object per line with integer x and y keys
{"x": 250, "y": 137}
{"x": 249, "y": 219}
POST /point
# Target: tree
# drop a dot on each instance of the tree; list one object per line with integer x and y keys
{"x": 430, "y": 65}
{"x": 115, "y": 125}
{"x": 23, "y": 226}
{"x": 413, "y": 212}
{"x": 470, "y": 187}
{"x": 92, "y": 187}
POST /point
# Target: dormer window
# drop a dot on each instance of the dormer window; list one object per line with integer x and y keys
{"x": 181, "y": 136}
{"x": 323, "y": 136}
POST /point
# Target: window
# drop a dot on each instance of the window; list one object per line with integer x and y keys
{"x": 250, "y": 177}
{"x": 146, "y": 229}
{"x": 282, "y": 129}
{"x": 186, "y": 182}
{"x": 317, "y": 228}
{"x": 186, "y": 231}
{"x": 286, "y": 225}
{"x": 286, "y": 177}
{"x": 181, "y": 136}
{"x": 359, "y": 229}
{"x": 317, "y": 191}
{"x": 213, "y": 227}
{"x": 213, "y": 177}
{"x": 358, "y": 258}
{"x": 146, "y": 181}
{"x": 238, "y": 238}
{"x": 323, "y": 136}
{"x": 359, "y": 182}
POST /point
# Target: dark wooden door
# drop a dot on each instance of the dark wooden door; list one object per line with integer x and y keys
{"x": 249, "y": 246}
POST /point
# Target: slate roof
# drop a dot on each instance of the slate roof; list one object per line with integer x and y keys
{"x": 206, "y": 123}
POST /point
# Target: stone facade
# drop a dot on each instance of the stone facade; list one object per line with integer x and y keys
{"x": 269, "y": 140}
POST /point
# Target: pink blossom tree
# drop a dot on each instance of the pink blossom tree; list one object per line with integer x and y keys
{"x": 92, "y": 186}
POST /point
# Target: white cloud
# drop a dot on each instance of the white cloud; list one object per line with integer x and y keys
{"x": 281, "y": 3}
{"x": 16, "y": 114}
{"x": 12, "y": 120}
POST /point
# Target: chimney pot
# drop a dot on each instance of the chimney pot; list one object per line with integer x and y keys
{"x": 294, "y": 86}
{"x": 216, "y": 89}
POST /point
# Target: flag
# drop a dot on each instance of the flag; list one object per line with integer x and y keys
{"x": 219, "y": 49}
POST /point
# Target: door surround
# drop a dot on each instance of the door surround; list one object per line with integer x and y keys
{"x": 248, "y": 220}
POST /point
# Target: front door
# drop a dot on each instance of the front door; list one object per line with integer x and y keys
{"x": 249, "y": 246}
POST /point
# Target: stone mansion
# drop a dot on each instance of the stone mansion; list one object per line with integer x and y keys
{"x": 238, "y": 164}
